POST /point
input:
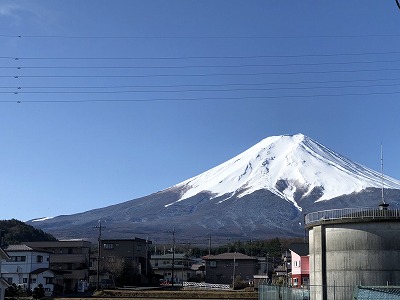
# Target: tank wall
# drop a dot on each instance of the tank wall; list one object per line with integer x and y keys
{"x": 315, "y": 243}
{"x": 356, "y": 254}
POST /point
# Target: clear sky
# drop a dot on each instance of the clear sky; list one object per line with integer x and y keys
{"x": 106, "y": 101}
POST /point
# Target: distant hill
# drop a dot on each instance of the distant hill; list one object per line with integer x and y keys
{"x": 17, "y": 232}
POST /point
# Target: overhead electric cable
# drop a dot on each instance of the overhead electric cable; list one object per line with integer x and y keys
{"x": 200, "y": 75}
{"x": 202, "y": 57}
{"x": 199, "y": 85}
{"x": 200, "y": 66}
{"x": 22, "y": 36}
{"x": 199, "y": 90}
{"x": 199, "y": 98}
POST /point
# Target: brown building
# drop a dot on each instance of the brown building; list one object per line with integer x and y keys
{"x": 223, "y": 268}
{"x": 127, "y": 257}
{"x": 69, "y": 260}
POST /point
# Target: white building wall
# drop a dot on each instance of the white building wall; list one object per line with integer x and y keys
{"x": 19, "y": 271}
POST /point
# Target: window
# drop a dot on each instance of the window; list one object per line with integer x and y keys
{"x": 108, "y": 246}
{"x": 9, "y": 280}
{"x": 70, "y": 251}
{"x": 295, "y": 281}
{"x": 18, "y": 258}
{"x": 213, "y": 264}
{"x": 297, "y": 263}
{"x": 49, "y": 280}
{"x": 39, "y": 258}
{"x": 25, "y": 280}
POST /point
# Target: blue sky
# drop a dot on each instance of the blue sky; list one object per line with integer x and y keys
{"x": 106, "y": 101}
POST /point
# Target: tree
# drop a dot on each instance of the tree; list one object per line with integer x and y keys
{"x": 16, "y": 232}
{"x": 12, "y": 291}
{"x": 38, "y": 292}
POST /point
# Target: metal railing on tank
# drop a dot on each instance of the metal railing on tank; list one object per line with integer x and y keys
{"x": 351, "y": 213}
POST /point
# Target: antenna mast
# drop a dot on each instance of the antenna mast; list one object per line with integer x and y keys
{"x": 383, "y": 198}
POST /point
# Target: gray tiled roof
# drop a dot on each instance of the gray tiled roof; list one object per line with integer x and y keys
{"x": 300, "y": 248}
{"x": 18, "y": 248}
{"x": 230, "y": 256}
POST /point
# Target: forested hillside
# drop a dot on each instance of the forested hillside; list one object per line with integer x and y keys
{"x": 17, "y": 232}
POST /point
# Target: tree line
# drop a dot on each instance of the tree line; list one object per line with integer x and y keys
{"x": 14, "y": 232}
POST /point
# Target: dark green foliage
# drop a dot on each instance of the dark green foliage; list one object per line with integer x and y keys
{"x": 14, "y": 291}
{"x": 17, "y": 232}
{"x": 239, "y": 283}
{"x": 38, "y": 292}
{"x": 259, "y": 248}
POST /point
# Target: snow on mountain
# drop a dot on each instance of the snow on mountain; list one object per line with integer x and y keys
{"x": 41, "y": 219}
{"x": 290, "y": 166}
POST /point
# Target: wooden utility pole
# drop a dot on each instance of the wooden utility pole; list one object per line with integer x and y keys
{"x": 98, "y": 254}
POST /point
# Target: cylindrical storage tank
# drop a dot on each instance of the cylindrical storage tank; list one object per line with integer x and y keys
{"x": 353, "y": 250}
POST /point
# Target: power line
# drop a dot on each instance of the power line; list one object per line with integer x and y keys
{"x": 200, "y": 66}
{"x": 199, "y": 85}
{"x": 203, "y": 57}
{"x": 23, "y": 36}
{"x": 201, "y": 74}
{"x": 199, "y": 98}
{"x": 199, "y": 90}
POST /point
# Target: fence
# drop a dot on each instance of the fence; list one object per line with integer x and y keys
{"x": 275, "y": 292}
{"x": 203, "y": 285}
{"x": 377, "y": 293}
{"x": 351, "y": 213}
{"x": 278, "y": 292}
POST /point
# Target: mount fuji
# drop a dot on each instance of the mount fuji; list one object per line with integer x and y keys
{"x": 263, "y": 192}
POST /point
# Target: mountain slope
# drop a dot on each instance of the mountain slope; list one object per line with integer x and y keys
{"x": 263, "y": 192}
{"x": 290, "y": 167}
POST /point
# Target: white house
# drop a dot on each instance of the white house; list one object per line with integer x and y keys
{"x": 168, "y": 265}
{"x": 3, "y": 282}
{"x": 28, "y": 267}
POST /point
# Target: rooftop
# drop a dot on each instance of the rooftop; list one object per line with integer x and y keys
{"x": 230, "y": 256}
{"x": 300, "y": 248}
{"x": 18, "y": 248}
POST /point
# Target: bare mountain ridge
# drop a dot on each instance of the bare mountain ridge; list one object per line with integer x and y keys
{"x": 263, "y": 192}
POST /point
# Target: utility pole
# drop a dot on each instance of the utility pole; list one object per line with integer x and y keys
{"x": 209, "y": 245}
{"x": 2, "y": 234}
{"x": 234, "y": 270}
{"x": 173, "y": 256}
{"x": 98, "y": 253}
{"x": 267, "y": 267}
{"x": 147, "y": 253}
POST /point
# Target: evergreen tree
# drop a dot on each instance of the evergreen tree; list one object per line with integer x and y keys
{"x": 38, "y": 292}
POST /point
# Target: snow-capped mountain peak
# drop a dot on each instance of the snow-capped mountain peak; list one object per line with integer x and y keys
{"x": 290, "y": 166}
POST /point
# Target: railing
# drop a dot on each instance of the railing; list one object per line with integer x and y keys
{"x": 203, "y": 285}
{"x": 351, "y": 213}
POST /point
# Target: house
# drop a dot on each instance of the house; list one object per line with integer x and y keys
{"x": 3, "y": 283}
{"x": 223, "y": 268}
{"x": 125, "y": 255}
{"x": 28, "y": 267}
{"x": 69, "y": 260}
{"x": 177, "y": 266}
{"x": 300, "y": 264}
